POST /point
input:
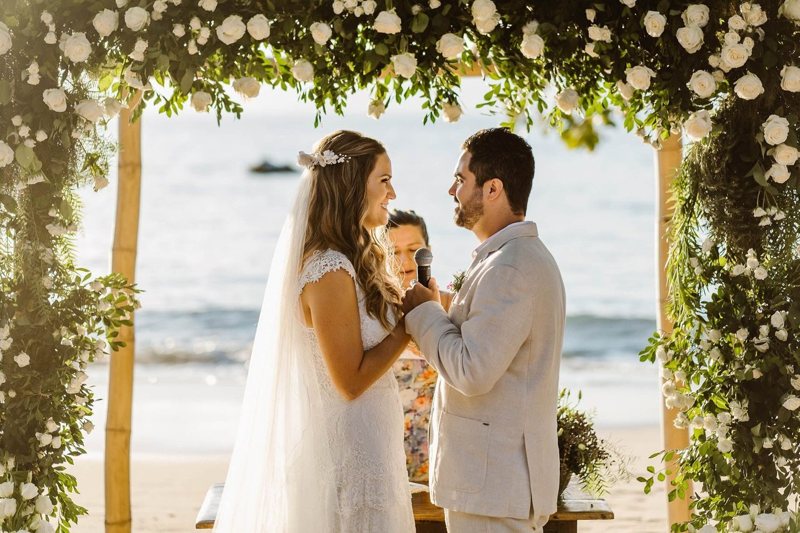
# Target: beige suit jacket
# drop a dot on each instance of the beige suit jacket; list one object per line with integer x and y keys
{"x": 493, "y": 442}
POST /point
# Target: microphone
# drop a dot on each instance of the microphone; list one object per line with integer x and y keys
{"x": 423, "y": 258}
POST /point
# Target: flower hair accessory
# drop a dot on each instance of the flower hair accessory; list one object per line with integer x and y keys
{"x": 322, "y": 159}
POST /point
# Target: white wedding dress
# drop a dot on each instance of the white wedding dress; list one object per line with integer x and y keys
{"x": 305, "y": 459}
{"x": 365, "y": 435}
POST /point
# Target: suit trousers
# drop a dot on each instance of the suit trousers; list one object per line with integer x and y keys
{"x": 458, "y": 522}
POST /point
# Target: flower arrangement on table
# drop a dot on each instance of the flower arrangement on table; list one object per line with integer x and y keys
{"x": 595, "y": 461}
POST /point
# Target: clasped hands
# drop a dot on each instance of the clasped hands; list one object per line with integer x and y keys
{"x": 418, "y": 294}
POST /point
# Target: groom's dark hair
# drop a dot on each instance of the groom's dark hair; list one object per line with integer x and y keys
{"x": 498, "y": 153}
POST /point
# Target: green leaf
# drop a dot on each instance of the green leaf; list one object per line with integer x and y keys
{"x": 186, "y": 81}
{"x": 25, "y": 157}
{"x": 381, "y": 49}
{"x": 420, "y": 23}
{"x": 5, "y": 92}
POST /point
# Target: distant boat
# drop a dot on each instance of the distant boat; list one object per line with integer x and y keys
{"x": 267, "y": 167}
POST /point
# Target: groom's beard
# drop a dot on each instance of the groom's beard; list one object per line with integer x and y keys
{"x": 470, "y": 212}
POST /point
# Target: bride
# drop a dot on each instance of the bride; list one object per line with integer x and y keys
{"x": 320, "y": 442}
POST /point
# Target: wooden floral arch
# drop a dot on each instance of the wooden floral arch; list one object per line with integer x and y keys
{"x": 723, "y": 72}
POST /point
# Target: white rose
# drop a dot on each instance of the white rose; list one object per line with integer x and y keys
{"x": 258, "y": 27}
{"x": 303, "y": 71}
{"x": 486, "y": 26}
{"x": 51, "y": 425}
{"x": 483, "y": 9}
{"x": 8, "y": 507}
{"x": 724, "y": 445}
{"x": 703, "y": 84}
{"x": 590, "y": 15}
{"x": 776, "y": 130}
{"x": 136, "y": 18}
{"x": 782, "y": 335}
{"x": 690, "y": 38}
{"x": 28, "y": 491}
{"x": 785, "y": 154}
{"x": 753, "y": 14}
{"x": 106, "y": 22}
{"x": 790, "y": 79}
{"x": 737, "y": 23}
{"x": 50, "y": 38}
{"x": 369, "y": 6}
{"x": 791, "y": 10}
{"x": 77, "y": 48}
{"x": 452, "y": 112}
{"x": 748, "y": 87}
{"x": 44, "y": 505}
{"x": 56, "y": 444}
{"x": 5, "y": 39}
{"x": 231, "y": 30}
{"x": 405, "y": 65}
{"x": 733, "y": 56}
{"x": 777, "y": 320}
{"x": 6, "y": 489}
{"x": 778, "y": 173}
{"x": 732, "y": 37}
{"x": 201, "y": 100}
{"x": 698, "y": 125}
{"x": 138, "y": 50}
{"x": 387, "y": 22}
{"x": 179, "y": 30}
{"x": 767, "y": 523}
{"x": 599, "y": 33}
{"x": 6, "y": 155}
{"x": 90, "y": 110}
{"x": 791, "y": 403}
{"x": 338, "y": 7}
{"x": 321, "y": 32}
{"x": 450, "y": 46}
{"x": 629, "y": 3}
{"x": 376, "y": 109}
{"x": 743, "y": 523}
{"x": 639, "y": 77}
{"x": 695, "y": 15}
{"x": 208, "y": 5}
{"x": 247, "y": 87}
{"x": 567, "y": 100}
{"x": 654, "y": 23}
{"x": 532, "y": 45}
{"x": 433, "y": 4}
{"x": 625, "y": 90}
{"x": 22, "y": 359}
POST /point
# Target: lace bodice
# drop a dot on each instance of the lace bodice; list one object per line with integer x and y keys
{"x": 365, "y": 435}
{"x": 321, "y": 263}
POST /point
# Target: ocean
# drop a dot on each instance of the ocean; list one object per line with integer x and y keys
{"x": 208, "y": 228}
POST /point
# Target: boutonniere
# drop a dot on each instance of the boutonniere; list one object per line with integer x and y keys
{"x": 458, "y": 281}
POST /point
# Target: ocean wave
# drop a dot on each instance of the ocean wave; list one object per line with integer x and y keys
{"x": 224, "y": 336}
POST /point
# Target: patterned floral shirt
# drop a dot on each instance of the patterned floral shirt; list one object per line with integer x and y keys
{"x": 416, "y": 379}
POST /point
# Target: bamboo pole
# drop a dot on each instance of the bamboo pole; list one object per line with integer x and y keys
{"x": 668, "y": 159}
{"x": 120, "y": 382}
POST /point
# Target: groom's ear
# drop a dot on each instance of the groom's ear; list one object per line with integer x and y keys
{"x": 494, "y": 188}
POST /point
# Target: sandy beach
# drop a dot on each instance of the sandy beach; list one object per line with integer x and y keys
{"x": 167, "y": 490}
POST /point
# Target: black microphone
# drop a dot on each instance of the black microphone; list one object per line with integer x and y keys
{"x": 423, "y": 258}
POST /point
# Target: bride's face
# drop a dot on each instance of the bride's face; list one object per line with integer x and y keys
{"x": 379, "y": 193}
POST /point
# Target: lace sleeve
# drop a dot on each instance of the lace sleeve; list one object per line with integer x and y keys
{"x": 320, "y": 263}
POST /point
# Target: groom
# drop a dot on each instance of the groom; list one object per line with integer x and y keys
{"x": 494, "y": 450}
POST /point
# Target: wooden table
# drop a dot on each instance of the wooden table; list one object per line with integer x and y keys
{"x": 574, "y": 506}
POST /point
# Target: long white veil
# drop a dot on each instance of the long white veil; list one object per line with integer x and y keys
{"x": 280, "y": 475}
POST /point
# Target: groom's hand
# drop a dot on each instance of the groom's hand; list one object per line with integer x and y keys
{"x": 419, "y": 294}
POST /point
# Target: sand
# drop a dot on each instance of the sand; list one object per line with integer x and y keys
{"x": 167, "y": 490}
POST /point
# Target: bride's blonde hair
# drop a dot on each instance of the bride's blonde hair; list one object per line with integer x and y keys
{"x": 336, "y": 215}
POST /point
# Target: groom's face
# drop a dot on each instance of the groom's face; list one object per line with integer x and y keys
{"x": 467, "y": 194}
